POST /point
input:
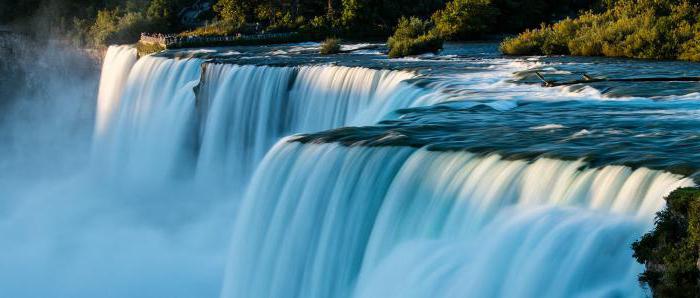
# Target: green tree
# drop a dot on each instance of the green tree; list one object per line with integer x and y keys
{"x": 231, "y": 12}
{"x": 670, "y": 251}
{"x": 413, "y": 36}
{"x": 162, "y": 14}
{"x": 161, "y": 9}
{"x": 466, "y": 19}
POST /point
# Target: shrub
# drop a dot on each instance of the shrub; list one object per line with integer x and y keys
{"x": 330, "y": 46}
{"x": 527, "y": 43}
{"x": 670, "y": 251}
{"x": 116, "y": 26}
{"x": 286, "y": 23}
{"x": 231, "y": 12}
{"x": 690, "y": 50}
{"x": 125, "y": 24}
{"x": 628, "y": 28}
{"x": 412, "y": 37}
{"x": 465, "y": 19}
{"x": 214, "y": 29}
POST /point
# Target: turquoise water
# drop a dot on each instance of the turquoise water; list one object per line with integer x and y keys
{"x": 277, "y": 172}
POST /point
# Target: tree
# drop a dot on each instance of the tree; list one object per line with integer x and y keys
{"x": 162, "y": 14}
{"x": 466, "y": 19}
{"x": 232, "y": 12}
{"x": 160, "y": 9}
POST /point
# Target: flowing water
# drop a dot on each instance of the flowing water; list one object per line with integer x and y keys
{"x": 272, "y": 171}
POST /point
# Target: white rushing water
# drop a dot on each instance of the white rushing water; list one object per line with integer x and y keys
{"x": 160, "y": 128}
{"x": 191, "y": 172}
{"x": 334, "y": 221}
{"x": 248, "y": 108}
{"x": 115, "y": 71}
{"x": 153, "y": 133}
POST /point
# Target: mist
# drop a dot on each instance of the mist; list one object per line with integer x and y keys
{"x": 67, "y": 232}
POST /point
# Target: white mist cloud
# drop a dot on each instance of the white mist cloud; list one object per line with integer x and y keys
{"x": 68, "y": 233}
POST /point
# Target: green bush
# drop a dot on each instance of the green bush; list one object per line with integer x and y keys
{"x": 670, "y": 251}
{"x": 330, "y": 46}
{"x": 466, "y": 19}
{"x": 286, "y": 23}
{"x": 116, "y": 26}
{"x": 412, "y": 37}
{"x": 124, "y": 24}
{"x": 231, "y": 12}
{"x": 527, "y": 43}
{"x": 214, "y": 29}
{"x": 628, "y": 28}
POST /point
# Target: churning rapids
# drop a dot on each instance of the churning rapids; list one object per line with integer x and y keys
{"x": 275, "y": 172}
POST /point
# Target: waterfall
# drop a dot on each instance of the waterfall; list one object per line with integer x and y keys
{"x": 326, "y": 97}
{"x": 248, "y": 108}
{"x": 162, "y": 118}
{"x": 152, "y": 135}
{"x": 115, "y": 71}
{"x": 324, "y": 220}
{"x": 244, "y": 107}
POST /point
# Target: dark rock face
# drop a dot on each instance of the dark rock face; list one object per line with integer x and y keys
{"x": 195, "y": 14}
{"x": 670, "y": 251}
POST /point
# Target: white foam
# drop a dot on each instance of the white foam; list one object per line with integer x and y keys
{"x": 548, "y": 127}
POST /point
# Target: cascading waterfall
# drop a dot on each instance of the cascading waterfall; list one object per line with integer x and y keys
{"x": 326, "y": 220}
{"x": 291, "y": 174}
{"x": 325, "y": 97}
{"x": 244, "y": 107}
{"x": 248, "y": 108}
{"x": 115, "y": 70}
{"x": 160, "y": 122}
{"x": 152, "y": 133}
{"x": 333, "y": 221}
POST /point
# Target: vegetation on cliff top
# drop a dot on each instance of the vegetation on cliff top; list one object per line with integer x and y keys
{"x": 627, "y": 28}
{"x": 670, "y": 251}
{"x": 98, "y": 23}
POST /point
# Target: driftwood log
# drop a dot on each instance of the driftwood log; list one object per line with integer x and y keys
{"x": 588, "y": 79}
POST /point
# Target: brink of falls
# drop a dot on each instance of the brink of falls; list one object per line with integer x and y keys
{"x": 273, "y": 171}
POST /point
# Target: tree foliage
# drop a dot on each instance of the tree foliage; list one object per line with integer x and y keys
{"x": 670, "y": 251}
{"x": 628, "y": 28}
{"x": 413, "y": 36}
{"x": 466, "y": 19}
{"x": 98, "y": 22}
{"x": 330, "y": 46}
{"x": 231, "y": 11}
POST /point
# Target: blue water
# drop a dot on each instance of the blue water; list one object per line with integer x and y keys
{"x": 274, "y": 171}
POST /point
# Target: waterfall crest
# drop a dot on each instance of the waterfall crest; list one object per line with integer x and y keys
{"x": 331, "y": 219}
{"x": 162, "y": 118}
{"x": 115, "y": 71}
{"x": 152, "y": 135}
{"x": 248, "y": 108}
